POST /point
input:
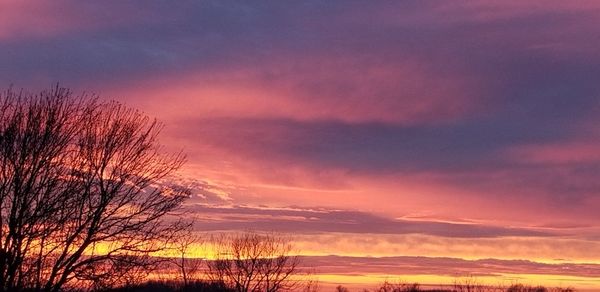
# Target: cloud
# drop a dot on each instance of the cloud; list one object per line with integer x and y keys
{"x": 323, "y": 220}
{"x": 471, "y": 162}
{"x": 320, "y": 95}
{"x": 204, "y": 191}
{"x": 368, "y": 147}
{"x": 395, "y": 62}
{"x": 573, "y": 249}
{"x": 453, "y": 267}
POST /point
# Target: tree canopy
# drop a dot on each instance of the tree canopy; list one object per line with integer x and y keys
{"x": 80, "y": 195}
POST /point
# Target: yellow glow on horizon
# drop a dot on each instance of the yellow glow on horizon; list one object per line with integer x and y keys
{"x": 552, "y": 250}
{"x": 373, "y": 280}
{"x": 357, "y": 279}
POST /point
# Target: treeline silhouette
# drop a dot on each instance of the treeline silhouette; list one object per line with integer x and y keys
{"x": 211, "y": 286}
{"x": 467, "y": 285}
{"x": 174, "y": 286}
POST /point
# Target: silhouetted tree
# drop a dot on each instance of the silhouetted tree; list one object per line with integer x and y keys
{"x": 398, "y": 287}
{"x": 80, "y": 199}
{"x": 187, "y": 266}
{"x": 310, "y": 285}
{"x": 470, "y": 284}
{"x": 523, "y": 288}
{"x": 254, "y": 262}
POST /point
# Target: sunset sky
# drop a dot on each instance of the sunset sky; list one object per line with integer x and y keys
{"x": 411, "y": 140}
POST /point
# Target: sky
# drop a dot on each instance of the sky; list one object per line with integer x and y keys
{"x": 411, "y": 140}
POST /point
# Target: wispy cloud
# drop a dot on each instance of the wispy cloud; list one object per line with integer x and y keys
{"x": 454, "y": 267}
{"x": 327, "y": 220}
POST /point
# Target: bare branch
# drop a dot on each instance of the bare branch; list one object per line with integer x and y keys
{"x": 79, "y": 198}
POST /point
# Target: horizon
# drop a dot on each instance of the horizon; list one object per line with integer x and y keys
{"x": 412, "y": 140}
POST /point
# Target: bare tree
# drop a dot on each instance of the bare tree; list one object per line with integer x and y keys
{"x": 311, "y": 285}
{"x": 187, "y": 265}
{"x": 254, "y": 262}
{"x": 470, "y": 284}
{"x": 80, "y": 201}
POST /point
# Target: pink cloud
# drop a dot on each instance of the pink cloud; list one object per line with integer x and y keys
{"x": 333, "y": 87}
{"x": 26, "y": 20}
{"x": 562, "y": 153}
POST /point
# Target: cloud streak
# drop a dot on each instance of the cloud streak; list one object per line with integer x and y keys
{"x": 453, "y": 267}
{"x": 323, "y": 220}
